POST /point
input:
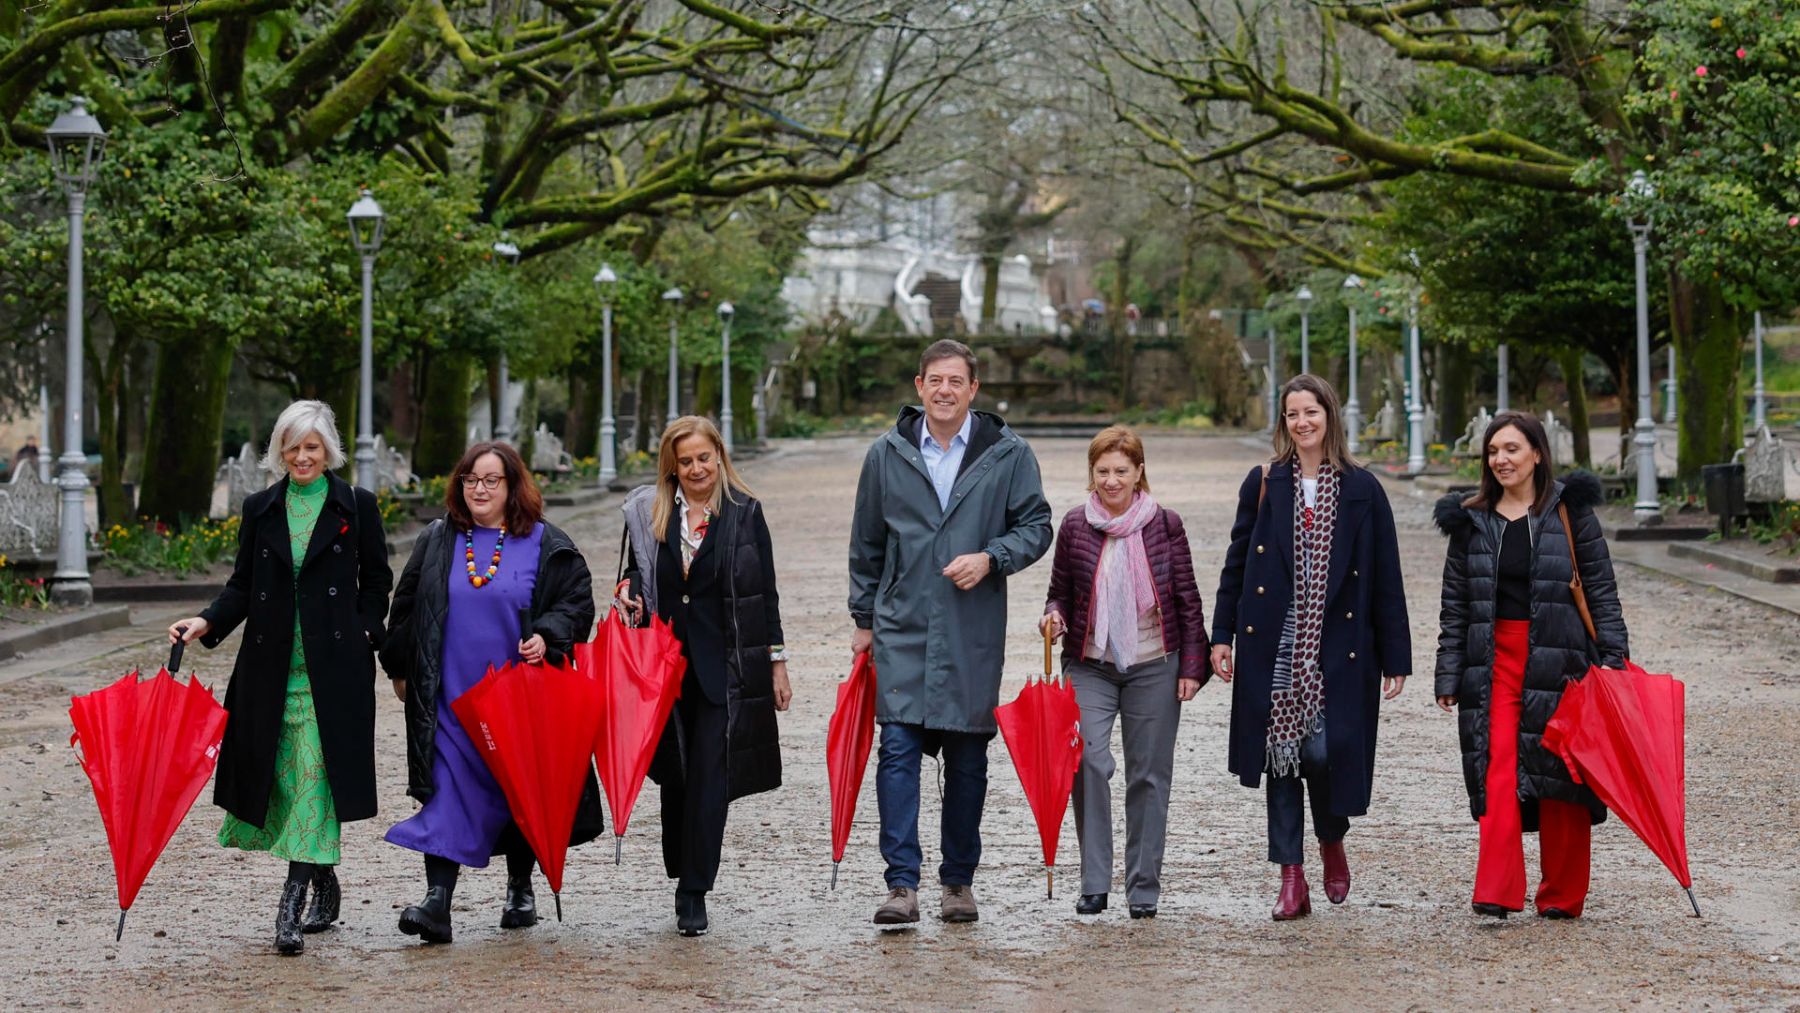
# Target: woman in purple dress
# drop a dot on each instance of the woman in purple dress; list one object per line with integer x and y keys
{"x": 493, "y": 582}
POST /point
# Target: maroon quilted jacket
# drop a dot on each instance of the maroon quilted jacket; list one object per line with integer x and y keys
{"x": 1078, "y": 546}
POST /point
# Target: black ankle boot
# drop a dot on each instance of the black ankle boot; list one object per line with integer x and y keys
{"x": 520, "y": 911}
{"x": 327, "y": 899}
{"x": 288, "y": 938}
{"x": 429, "y": 919}
{"x": 690, "y": 913}
{"x": 1090, "y": 904}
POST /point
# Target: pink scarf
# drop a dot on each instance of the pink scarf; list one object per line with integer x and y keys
{"x": 1123, "y": 589}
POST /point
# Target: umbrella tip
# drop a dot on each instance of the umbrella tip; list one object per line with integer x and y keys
{"x": 119, "y": 933}
{"x": 834, "y": 871}
{"x": 1689, "y": 892}
{"x": 558, "y": 897}
{"x": 618, "y": 847}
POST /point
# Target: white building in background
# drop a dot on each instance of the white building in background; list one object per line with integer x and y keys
{"x": 913, "y": 265}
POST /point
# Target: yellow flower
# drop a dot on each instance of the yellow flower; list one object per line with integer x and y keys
{"x": 1717, "y": 22}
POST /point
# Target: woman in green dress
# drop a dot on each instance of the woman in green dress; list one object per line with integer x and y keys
{"x": 310, "y": 587}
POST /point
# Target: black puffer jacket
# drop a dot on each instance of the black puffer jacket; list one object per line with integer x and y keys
{"x": 562, "y": 612}
{"x": 1560, "y": 649}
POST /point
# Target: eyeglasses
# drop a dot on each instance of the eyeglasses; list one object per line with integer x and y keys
{"x": 488, "y": 482}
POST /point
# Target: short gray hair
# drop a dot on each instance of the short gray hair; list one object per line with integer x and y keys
{"x": 293, "y": 425}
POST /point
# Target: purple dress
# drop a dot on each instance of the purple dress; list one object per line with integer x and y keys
{"x": 468, "y": 810}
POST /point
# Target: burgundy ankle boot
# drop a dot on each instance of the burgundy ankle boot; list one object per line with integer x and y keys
{"x": 1293, "y": 901}
{"x": 1337, "y": 871}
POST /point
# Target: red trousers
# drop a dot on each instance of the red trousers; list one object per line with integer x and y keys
{"x": 1563, "y": 827}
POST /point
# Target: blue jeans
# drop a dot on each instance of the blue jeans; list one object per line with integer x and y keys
{"x": 897, "y": 794}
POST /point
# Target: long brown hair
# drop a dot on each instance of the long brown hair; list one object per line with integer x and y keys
{"x": 524, "y": 504}
{"x": 1543, "y": 476}
{"x": 667, "y": 481}
{"x": 1336, "y": 443}
{"x": 1124, "y": 440}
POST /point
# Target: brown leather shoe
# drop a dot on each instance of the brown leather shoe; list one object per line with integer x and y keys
{"x": 959, "y": 904}
{"x": 900, "y": 908}
{"x": 1337, "y": 871}
{"x": 1294, "y": 901}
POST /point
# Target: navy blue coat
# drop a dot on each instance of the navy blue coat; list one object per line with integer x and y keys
{"x": 1365, "y": 633}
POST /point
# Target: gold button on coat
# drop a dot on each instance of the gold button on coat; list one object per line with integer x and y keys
{"x": 1259, "y": 550}
{"x": 1249, "y": 629}
{"x": 1352, "y": 655}
{"x": 1259, "y": 589}
{"x": 1349, "y": 615}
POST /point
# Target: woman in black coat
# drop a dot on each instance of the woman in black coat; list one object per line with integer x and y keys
{"x": 712, "y": 579}
{"x": 1511, "y": 636}
{"x": 311, "y": 586}
{"x": 1312, "y": 600}
{"x": 490, "y": 584}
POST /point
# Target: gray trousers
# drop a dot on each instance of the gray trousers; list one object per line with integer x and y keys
{"x": 1144, "y": 695}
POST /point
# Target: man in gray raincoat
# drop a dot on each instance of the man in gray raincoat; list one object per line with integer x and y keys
{"x": 948, "y": 506}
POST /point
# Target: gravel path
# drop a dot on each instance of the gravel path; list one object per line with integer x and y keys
{"x": 199, "y": 935}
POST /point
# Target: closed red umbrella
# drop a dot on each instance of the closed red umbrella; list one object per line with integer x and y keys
{"x": 534, "y": 725}
{"x": 847, "y": 743}
{"x": 1042, "y": 729}
{"x": 639, "y": 674}
{"x": 148, "y": 747}
{"x": 1623, "y": 734}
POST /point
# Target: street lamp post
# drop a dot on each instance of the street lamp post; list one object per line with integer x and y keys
{"x": 1305, "y": 297}
{"x": 76, "y": 143}
{"x": 1502, "y": 387}
{"x": 1415, "y": 403}
{"x": 503, "y": 422}
{"x": 726, "y": 311}
{"x": 605, "y": 280}
{"x": 1274, "y": 379}
{"x": 1353, "y": 407}
{"x": 1759, "y": 411}
{"x": 1669, "y": 395}
{"x": 673, "y": 297}
{"x": 1639, "y": 193}
{"x": 367, "y": 222}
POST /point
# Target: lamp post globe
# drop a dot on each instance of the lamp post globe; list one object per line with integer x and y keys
{"x": 367, "y": 224}
{"x": 673, "y": 297}
{"x": 76, "y": 142}
{"x": 1639, "y": 195}
{"x": 1305, "y": 297}
{"x": 1352, "y": 406}
{"x": 726, "y": 312}
{"x": 606, "y": 281}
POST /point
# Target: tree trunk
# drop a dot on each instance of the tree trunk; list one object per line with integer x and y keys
{"x": 525, "y": 440}
{"x": 583, "y": 436}
{"x": 1455, "y": 372}
{"x": 187, "y": 418}
{"x": 1708, "y": 357}
{"x": 403, "y": 404}
{"x": 110, "y": 412}
{"x": 444, "y": 413}
{"x": 990, "y": 290}
{"x": 1574, "y": 378}
{"x": 1123, "y": 344}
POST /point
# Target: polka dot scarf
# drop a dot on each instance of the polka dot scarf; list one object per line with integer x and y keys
{"x": 1297, "y": 692}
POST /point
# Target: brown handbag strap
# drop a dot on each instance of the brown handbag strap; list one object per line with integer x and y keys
{"x": 1575, "y": 589}
{"x": 1262, "y": 488}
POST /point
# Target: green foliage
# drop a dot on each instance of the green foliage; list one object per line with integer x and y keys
{"x": 1781, "y": 529}
{"x": 155, "y": 547}
{"x": 19, "y": 591}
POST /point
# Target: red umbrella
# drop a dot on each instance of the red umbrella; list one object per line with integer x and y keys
{"x": 1042, "y": 729}
{"x": 534, "y": 724}
{"x": 1622, "y": 733}
{"x": 639, "y": 673}
{"x": 148, "y": 747}
{"x": 847, "y": 742}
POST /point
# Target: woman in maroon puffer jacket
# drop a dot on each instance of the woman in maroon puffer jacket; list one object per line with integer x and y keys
{"x": 1122, "y": 585}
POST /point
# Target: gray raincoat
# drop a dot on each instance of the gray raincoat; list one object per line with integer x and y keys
{"x": 939, "y": 652}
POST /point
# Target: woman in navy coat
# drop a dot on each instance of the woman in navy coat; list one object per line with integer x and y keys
{"x": 1310, "y": 628}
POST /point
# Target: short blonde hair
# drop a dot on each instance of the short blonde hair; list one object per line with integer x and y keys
{"x": 293, "y": 425}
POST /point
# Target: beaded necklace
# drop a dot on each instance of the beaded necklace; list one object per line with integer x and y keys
{"x": 478, "y": 579}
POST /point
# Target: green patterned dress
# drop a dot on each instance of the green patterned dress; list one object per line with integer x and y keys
{"x": 302, "y": 822}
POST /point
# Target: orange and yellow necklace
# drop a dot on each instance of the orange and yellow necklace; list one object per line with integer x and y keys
{"x": 475, "y": 578}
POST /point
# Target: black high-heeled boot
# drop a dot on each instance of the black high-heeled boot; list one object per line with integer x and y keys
{"x": 327, "y": 900}
{"x": 288, "y": 938}
{"x": 690, "y": 913}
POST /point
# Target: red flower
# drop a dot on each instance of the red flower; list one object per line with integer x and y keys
{"x": 344, "y": 527}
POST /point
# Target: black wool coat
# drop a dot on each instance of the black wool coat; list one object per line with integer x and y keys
{"x": 727, "y": 613}
{"x": 1364, "y": 637}
{"x": 341, "y": 596}
{"x": 1560, "y": 649}
{"x": 562, "y": 612}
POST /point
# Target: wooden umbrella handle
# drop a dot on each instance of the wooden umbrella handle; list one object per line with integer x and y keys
{"x": 1047, "y": 629}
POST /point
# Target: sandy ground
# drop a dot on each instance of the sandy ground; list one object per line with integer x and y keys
{"x": 199, "y": 935}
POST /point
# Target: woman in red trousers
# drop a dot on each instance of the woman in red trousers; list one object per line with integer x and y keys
{"x": 1511, "y": 638}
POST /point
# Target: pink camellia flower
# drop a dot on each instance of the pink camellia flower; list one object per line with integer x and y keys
{"x": 1742, "y": 52}
{"x": 1793, "y": 220}
{"x": 1700, "y": 71}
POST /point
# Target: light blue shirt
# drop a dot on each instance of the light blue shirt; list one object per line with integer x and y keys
{"x": 941, "y": 463}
